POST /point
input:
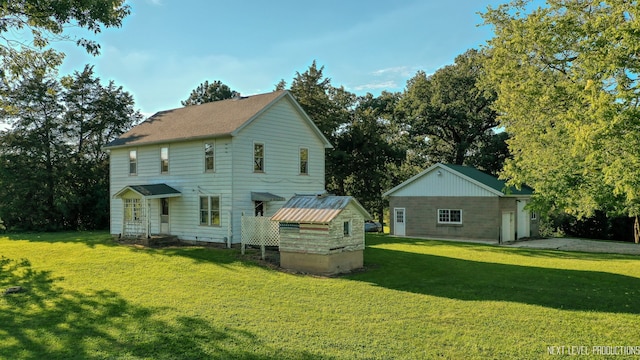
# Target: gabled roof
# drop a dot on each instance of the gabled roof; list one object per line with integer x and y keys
{"x": 150, "y": 191}
{"x": 214, "y": 119}
{"x": 484, "y": 180}
{"x": 316, "y": 209}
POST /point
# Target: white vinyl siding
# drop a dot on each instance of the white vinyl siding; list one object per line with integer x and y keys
{"x": 187, "y": 159}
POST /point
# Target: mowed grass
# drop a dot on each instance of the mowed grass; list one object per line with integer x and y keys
{"x": 88, "y": 298}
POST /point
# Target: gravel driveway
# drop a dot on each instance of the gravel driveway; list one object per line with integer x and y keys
{"x": 568, "y": 244}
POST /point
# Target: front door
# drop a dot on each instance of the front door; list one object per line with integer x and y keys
{"x": 164, "y": 216}
{"x": 399, "y": 221}
{"x": 508, "y": 226}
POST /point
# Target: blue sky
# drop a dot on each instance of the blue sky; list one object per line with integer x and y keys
{"x": 166, "y": 48}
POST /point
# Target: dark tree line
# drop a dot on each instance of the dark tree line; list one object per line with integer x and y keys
{"x": 54, "y": 173}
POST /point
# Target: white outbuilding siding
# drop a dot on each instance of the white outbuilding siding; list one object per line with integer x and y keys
{"x": 443, "y": 182}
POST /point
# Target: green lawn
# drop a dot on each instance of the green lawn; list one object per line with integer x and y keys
{"x": 90, "y": 298}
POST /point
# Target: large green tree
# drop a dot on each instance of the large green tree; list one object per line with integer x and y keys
{"x": 328, "y": 106}
{"x": 94, "y": 115}
{"x": 31, "y": 153}
{"x": 566, "y": 75}
{"x": 46, "y": 21}
{"x": 53, "y": 169}
{"x": 209, "y": 92}
{"x": 365, "y": 152}
{"x": 447, "y": 115}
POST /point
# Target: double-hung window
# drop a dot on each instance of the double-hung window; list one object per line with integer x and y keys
{"x": 133, "y": 162}
{"x": 209, "y": 157}
{"x": 210, "y": 210}
{"x": 449, "y": 216}
{"x": 304, "y": 161}
{"x": 258, "y": 157}
{"x": 164, "y": 160}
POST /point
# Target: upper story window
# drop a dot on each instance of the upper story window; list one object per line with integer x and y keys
{"x": 209, "y": 157}
{"x": 258, "y": 157}
{"x": 133, "y": 162}
{"x": 304, "y": 161}
{"x": 449, "y": 216}
{"x": 164, "y": 160}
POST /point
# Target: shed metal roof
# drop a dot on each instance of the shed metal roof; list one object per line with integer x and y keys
{"x": 318, "y": 209}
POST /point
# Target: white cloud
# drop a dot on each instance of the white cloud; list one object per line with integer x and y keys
{"x": 398, "y": 70}
{"x": 377, "y": 86}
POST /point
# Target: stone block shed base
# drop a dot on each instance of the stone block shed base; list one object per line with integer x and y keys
{"x": 321, "y": 264}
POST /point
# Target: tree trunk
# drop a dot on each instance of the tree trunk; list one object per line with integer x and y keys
{"x": 636, "y": 231}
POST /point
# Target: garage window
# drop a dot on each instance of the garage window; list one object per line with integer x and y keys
{"x": 449, "y": 216}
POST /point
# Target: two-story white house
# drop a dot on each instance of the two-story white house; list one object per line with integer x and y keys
{"x": 192, "y": 172}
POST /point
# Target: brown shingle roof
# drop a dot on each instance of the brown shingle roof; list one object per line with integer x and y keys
{"x": 212, "y": 119}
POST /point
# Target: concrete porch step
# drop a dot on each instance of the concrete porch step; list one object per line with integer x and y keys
{"x": 162, "y": 240}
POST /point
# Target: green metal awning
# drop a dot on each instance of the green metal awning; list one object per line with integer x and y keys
{"x": 265, "y": 196}
{"x": 150, "y": 191}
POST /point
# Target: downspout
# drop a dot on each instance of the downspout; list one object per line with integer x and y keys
{"x": 229, "y": 230}
{"x": 148, "y": 215}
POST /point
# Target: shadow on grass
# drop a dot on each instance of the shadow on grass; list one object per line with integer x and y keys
{"x": 48, "y": 322}
{"x": 483, "y": 281}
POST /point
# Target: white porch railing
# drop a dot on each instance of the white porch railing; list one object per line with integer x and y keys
{"x": 259, "y": 230}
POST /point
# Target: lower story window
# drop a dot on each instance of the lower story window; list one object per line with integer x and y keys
{"x": 132, "y": 210}
{"x": 449, "y": 216}
{"x": 210, "y": 210}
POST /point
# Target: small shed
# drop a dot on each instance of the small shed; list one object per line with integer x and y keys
{"x": 321, "y": 234}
